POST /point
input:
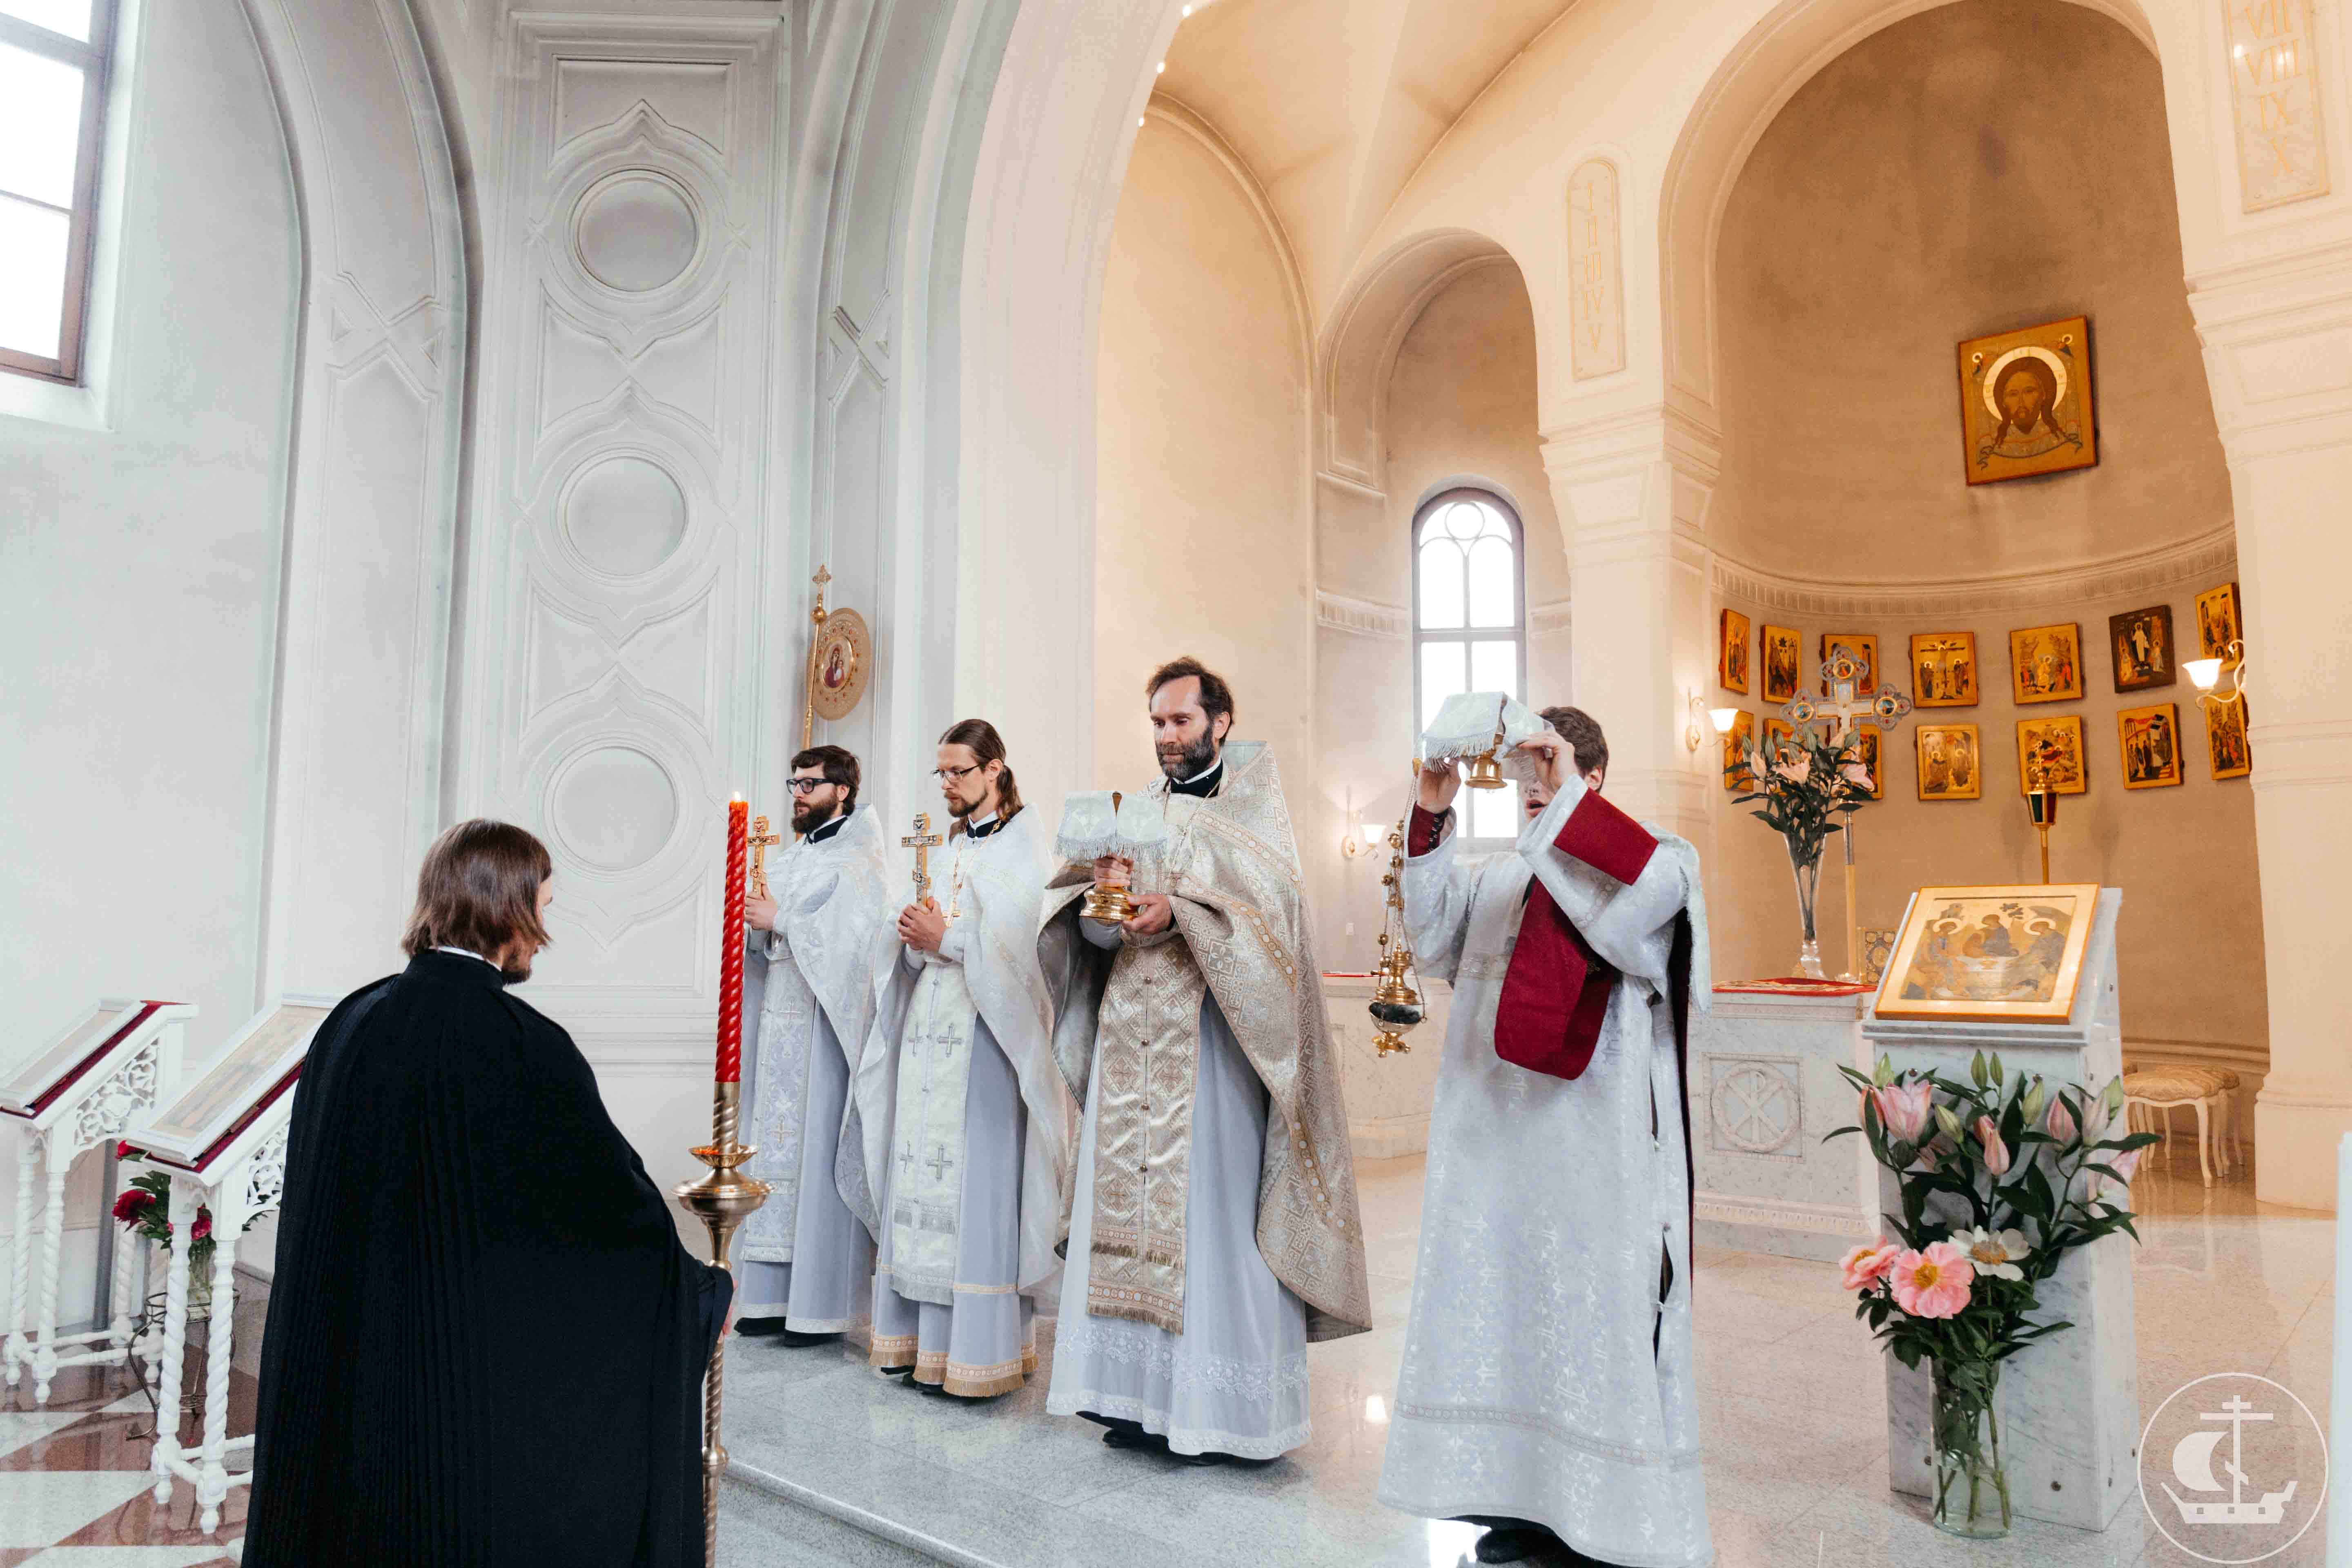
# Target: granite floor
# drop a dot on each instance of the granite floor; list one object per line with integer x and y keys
{"x": 75, "y": 1491}
{"x": 1794, "y": 1392}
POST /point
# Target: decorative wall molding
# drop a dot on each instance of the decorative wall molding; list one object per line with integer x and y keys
{"x": 1814, "y": 1218}
{"x": 2203, "y": 560}
{"x": 1365, "y": 617}
{"x": 1553, "y": 620}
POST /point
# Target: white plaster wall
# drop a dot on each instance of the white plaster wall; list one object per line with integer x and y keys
{"x": 1202, "y": 544}
{"x": 139, "y": 574}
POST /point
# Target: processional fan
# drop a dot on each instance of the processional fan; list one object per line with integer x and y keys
{"x": 1483, "y": 729}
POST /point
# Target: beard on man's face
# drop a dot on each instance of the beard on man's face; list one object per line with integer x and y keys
{"x": 808, "y": 817}
{"x": 1179, "y": 761}
{"x": 515, "y": 971}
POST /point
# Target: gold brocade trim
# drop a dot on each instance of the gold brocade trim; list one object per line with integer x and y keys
{"x": 892, "y": 1352}
{"x": 987, "y": 1382}
{"x": 930, "y": 1366}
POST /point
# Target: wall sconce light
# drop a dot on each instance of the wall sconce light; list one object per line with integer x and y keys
{"x": 2206, "y": 675}
{"x": 1720, "y": 718}
{"x": 1351, "y": 843}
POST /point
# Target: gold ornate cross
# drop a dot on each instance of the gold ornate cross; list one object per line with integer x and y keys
{"x": 922, "y": 843}
{"x": 760, "y": 839}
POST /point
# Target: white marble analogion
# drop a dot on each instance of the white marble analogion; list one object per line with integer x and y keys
{"x": 2069, "y": 1406}
{"x": 1764, "y": 1091}
{"x": 1388, "y": 1097}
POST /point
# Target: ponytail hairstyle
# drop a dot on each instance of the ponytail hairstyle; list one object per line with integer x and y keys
{"x": 987, "y": 746}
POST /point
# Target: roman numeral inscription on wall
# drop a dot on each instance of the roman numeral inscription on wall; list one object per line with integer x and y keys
{"x": 1596, "y": 291}
{"x": 2274, "y": 97}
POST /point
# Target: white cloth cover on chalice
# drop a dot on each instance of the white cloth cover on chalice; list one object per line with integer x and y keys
{"x": 1467, "y": 723}
{"x": 1093, "y": 826}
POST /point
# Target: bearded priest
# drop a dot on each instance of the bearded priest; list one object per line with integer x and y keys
{"x": 807, "y": 1262}
{"x": 963, "y": 1126}
{"x": 1212, "y": 1227}
{"x": 1548, "y": 1389}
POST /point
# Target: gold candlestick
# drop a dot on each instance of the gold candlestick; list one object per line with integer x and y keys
{"x": 722, "y": 1199}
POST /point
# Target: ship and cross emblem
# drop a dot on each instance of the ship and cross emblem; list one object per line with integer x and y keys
{"x": 2192, "y": 1466}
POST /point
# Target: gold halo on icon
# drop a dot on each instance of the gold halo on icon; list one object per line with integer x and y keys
{"x": 841, "y": 665}
{"x": 1992, "y": 377}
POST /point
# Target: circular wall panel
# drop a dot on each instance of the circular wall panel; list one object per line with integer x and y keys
{"x": 614, "y": 807}
{"x": 636, "y": 232}
{"x": 625, "y": 515}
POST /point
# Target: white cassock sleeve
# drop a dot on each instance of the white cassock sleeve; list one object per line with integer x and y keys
{"x": 1629, "y": 924}
{"x": 1438, "y": 888}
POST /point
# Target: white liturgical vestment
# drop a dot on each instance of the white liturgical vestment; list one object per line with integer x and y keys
{"x": 1543, "y": 1377}
{"x": 965, "y": 1126}
{"x": 806, "y": 1257}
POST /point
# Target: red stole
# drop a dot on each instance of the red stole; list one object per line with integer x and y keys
{"x": 1556, "y": 991}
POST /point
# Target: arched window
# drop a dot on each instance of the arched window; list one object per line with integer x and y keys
{"x": 1469, "y": 620}
{"x": 52, "y": 60}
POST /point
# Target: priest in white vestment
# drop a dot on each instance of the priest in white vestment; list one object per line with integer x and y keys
{"x": 1214, "y": 1229}
{"x": 1547, "y": 1386}
{"x": 964, "y": 1124}
{"x": 807, "y": 1262}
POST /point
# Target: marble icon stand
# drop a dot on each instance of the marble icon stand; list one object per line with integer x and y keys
{"x": 77, "y": 1092}
{"x": 1764, "y": 1088}
{"x": 2069, "y": 1405}
{"x": 223, "y": 1142}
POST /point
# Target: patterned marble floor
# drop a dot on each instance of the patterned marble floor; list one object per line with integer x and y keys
{"x": 75, "y": 1491}
{"x": 1794, "y": 1391}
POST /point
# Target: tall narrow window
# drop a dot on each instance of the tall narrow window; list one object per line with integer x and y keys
{"x": 1469, "y": 622}
{"x": 53, "y": 68}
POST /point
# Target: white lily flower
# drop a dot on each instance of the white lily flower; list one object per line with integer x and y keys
{"x": 1993, "y": 1253}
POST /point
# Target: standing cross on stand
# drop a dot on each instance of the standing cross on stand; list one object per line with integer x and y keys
{"x": 762, "y": 839}
{"x": 1841, "y": 676}
{"x": 922, "y": 842}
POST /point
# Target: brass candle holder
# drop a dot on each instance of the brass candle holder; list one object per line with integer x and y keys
{"x": 722, "y": 1199}
{"x": 2041, "y": 810}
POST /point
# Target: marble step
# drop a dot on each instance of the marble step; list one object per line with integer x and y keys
{"x": 766, "y": 1521}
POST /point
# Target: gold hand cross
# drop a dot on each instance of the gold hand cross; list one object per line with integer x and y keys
{"x": 922, "y": 843}
{"x": 762, "y": 837}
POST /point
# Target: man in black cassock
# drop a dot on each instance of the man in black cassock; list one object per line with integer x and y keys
{"x": 486, "y": 1342}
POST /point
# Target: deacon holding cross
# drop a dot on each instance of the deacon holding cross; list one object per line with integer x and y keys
{"x": 1547, "y": 1388}
{"x": 1213, "y": 1228}
{"x": 807, "y": 1262}
{"x": 960, "y": 1120}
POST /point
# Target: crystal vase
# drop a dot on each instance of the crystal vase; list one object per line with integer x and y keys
{"x": 1971, "y": 1484}
{"x": 1805, "y": 860}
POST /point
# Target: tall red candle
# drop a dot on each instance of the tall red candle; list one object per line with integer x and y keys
{"x": 730, "y": 949}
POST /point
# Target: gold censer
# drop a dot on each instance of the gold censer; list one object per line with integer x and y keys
{"x": 1485, "y": 768}
{"x": 1396, "y": 1005}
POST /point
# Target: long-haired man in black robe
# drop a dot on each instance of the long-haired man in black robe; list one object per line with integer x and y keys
{"x": 486, "y": 1344}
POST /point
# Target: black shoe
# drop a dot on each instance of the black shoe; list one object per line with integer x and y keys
{"x": 797, "y": 1340}
{"x": 761, "y": 1328}
{"x": 1210, "y": 1457}
{"x": 1515, "y": 1544}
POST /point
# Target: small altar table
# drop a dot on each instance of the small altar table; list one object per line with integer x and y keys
{"x": 1764, "y": 1088}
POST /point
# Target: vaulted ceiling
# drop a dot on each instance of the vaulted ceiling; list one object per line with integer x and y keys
{"x": 1334, "y": 103}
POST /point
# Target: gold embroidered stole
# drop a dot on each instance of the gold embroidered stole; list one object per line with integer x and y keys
{"x": 1147, "y": 1056}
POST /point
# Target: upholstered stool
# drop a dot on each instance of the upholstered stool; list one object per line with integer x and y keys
{"x": 2225, "y": 1082}
{"x": 2150, "y": 1093}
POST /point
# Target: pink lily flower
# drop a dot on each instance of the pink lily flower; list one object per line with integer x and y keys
{"x": 1996, "y": 1152}
{"x": 1933, "y": 1283}
{"x": 1904, "y": 1107}
{"x": 2060, "y": 1122}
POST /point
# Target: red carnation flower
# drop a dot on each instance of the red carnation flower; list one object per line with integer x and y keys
{"x": 204, "y": 1225}
{"x": 132, "y": 1204}
{"x": 123, "y": 1148}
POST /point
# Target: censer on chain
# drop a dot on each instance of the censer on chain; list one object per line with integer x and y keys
{"x": 1396, "y": 1005}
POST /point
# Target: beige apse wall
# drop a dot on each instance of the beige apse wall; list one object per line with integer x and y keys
{"x": 1924, "y": 188}
{"x": 1202, "y": 538}
{"x": 1460, "y": 410}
